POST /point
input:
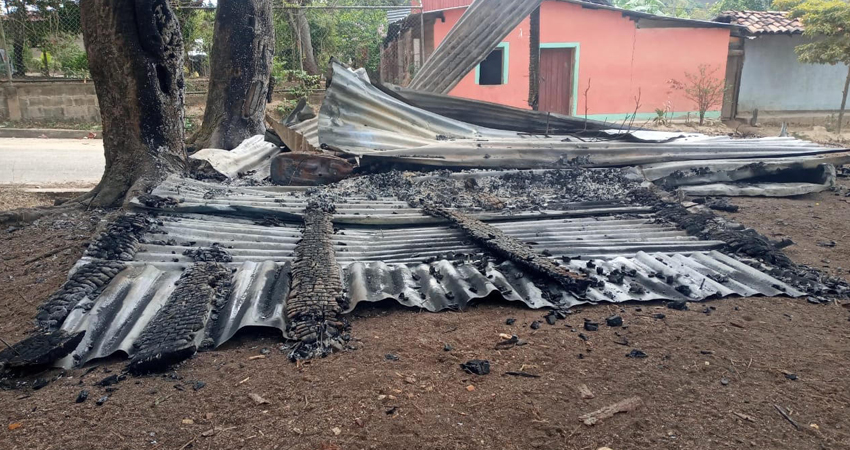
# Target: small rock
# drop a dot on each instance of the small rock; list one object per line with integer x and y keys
{"x": 510, "y": 321}
{"x": 265, "y": 351}
{"x": 39, "y": 383}
{"x": 476, "y": 366}
{"x": 336, "y": 431}
{"x": 257, "y": 399}
{"x": 447, "y": 348}
{"x": 391, "y": 357}
{"x": 535, "y": 325}
{"x": 187, "y": 422}
{"x": 551, "y": 318}
{"x": 198, "y": 385}
{"x": 658, "y": 316}
{"x": 591, "y": 326}
{"x": 101, "y": 400}
{"x": 470, "y": 388}
{"x": 83, "y": 396}
{"x": 614, "y": 321}
{"x": 635, "y": 353}
{"x": 724, "y": 381}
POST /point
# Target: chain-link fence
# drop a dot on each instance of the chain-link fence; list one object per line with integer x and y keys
{"x": 41, "y": 40}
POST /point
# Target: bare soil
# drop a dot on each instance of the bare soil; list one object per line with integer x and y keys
{"x": 712, "y": 379}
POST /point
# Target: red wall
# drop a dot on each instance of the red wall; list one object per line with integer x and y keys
{"x": 618, "y": 58}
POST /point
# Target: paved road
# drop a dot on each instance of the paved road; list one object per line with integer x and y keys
{"x": 50, "y": 161}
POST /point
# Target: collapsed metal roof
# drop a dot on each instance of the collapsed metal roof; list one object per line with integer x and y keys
{"x": 206, "y": 260}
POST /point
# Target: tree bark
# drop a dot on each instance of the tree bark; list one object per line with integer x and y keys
{"x": 135, "y": 54}
{"x": 843, "y": 102}
{"x": 241, "y": 66}
{"x": 19, "y": 35}
{"x": 298, "y": 22}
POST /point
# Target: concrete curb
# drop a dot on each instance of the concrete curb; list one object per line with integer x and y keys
{"x": 46, "y": 132}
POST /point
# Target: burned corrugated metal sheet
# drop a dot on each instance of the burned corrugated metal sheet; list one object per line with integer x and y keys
{"x": 494, "y": 115}
{"x": 251, "y": 158}
{"x": 358, "y": 118}
{"x": 481, "y": 27}
{"x": 537, "y": 153}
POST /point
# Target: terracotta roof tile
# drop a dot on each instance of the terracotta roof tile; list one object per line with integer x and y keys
{"x": 763, "y": 22}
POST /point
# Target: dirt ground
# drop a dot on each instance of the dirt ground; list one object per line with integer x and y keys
{"x": 713, "y": 377}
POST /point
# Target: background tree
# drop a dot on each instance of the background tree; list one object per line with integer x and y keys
{"x": 240, "y": 69}
{"x": 303, "y": 37}
{"x": 828, "y": 23}
{"x": 135, "y": 52}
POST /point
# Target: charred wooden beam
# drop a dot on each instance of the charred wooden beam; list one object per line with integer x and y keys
{"x": 85, "y": 284}
{"x": 510, "y": 248}
{"x": 316, "y": 298}
{"x": 178, "y": 330}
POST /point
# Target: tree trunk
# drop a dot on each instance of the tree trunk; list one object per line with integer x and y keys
{"x": 135, "y": 52}
{"x": 243, "y": 46}
{"x": 298, "y": 22}
{"x": 19, "y": 36}
{"x": 843, "y": 102}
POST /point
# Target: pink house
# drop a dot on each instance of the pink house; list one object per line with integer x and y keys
{"x": 593, "y": 59}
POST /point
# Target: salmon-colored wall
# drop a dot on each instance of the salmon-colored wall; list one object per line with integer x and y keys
{"x": 618, "y": 59}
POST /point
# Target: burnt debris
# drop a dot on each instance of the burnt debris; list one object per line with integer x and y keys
{"x": 80, "y": 291}
{"x": 316, "y": 298}
{"x": 179, "y": 327}
{"x": 120, "y": 240}
{"x": 39, "y": 350}
{"x": 511, "y": 249}
{"x": 214, "y": 253}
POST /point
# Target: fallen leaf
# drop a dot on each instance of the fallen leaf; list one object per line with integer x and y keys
{"x": 470, "y": 388}
{"x": 14, "y": 426}
{"x": 336, "y": 431}
{"x": 815, "y": 426}
{"x": 257, "y": 399}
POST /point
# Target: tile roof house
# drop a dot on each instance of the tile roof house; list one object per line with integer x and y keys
{"x": 764, "y": 22}
{"x": 764, "y": 74}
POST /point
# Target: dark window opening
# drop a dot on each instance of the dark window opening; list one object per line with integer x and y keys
{"x": 490, "y": 70}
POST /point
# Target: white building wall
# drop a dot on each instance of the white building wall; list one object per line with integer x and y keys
{"x": 773, "y": 79}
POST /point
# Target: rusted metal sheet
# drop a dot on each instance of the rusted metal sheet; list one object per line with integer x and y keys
{"x": 294, "y": 139}
{"x": 308, "y": 169}
{"x": 483, "y": 25}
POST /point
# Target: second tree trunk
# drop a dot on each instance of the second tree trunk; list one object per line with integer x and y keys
{"x": 243, "y": 46}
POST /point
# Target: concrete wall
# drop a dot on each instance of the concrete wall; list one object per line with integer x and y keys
{"x": 774, "y": 80}
{"x": 616, "y": 57}
{"x": 49, "y": 101}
